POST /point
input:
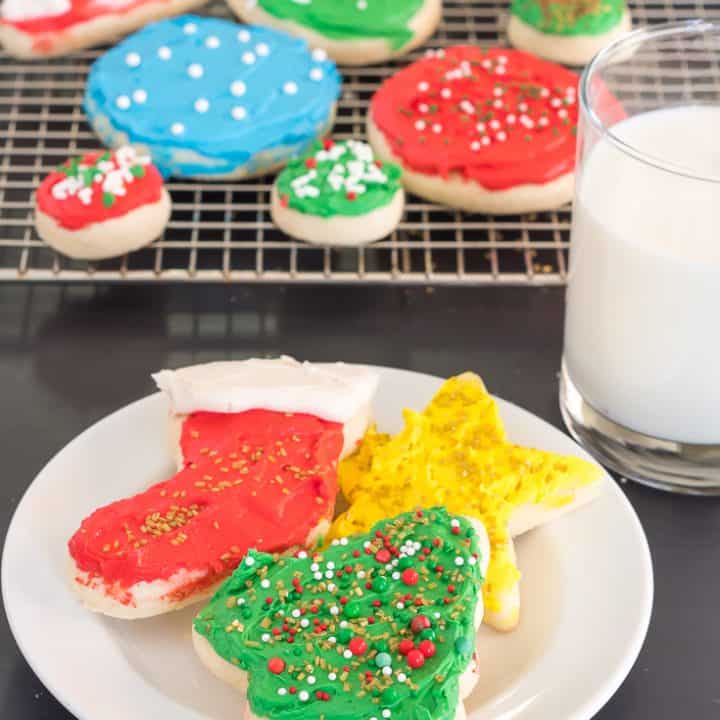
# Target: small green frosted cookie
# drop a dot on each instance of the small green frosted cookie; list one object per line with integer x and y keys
{"x": 338, "y": 194}
{"x": 567, "y": 31}
{"x": 379, "y": 625}
{"x": 353, "y": 32}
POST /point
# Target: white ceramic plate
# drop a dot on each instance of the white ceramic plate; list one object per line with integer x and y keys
{"x": 586, "y": 591}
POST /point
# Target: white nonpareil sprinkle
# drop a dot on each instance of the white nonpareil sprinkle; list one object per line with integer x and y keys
{"x": 334, "y": 610}
{"x": 334, "y": 542}
{"x": 386, "y": 713}
{"x": 304, "y": 622}
{"x": 282, "y": 691}
{"x": 401, "y": 677}
{"x": 459, "y": 561}
{"x": 475, "y": 146}
{"x": 311, "y": 680}
{"x": 249, "y": 560}
{"x": 262, "y": 49}
{"x": 295, "y": 613}
{"x": 494, "y": 124}
{"x": 164, "y": 53}
{"x": 420, "y": 125}
{"x": 562, "y": 113}
{"x": 446, "y": 93}
{"x": 213, "y": 42}
{"x": 319, "y": 55}
{"x": 265, "y": 583}
{"x": 387, "y": 671}
{"x": 123, "y": 102}
{"x": 360, "y": 574}
{"x": 302, "y": 555}
{"x": 543, "y": 121}
{"x": 330, "y": 565}
{"x": 140, "y": 96}
{"x": 314, "y": 567}
{"x": 329, "y": 574}
{"x": 399, "y": 605}
{"x": 316, "y": 74}
{"x": 343, "y": 623}
{"x": 472, "y": 559}
{"x": 202, "y": 105}
{"x": 510, "y": 119}
{"x": 239, "y": 112}
{"x": 361, "y": 4}
{"x": 347, "y": 654}
{"x": 240, "y": 601}
{"x": 196, "y": 71}
{"x": 331, "y": 587}
{"x": 303, "y": 695}
{"x": 502, "y": 137}
{"x": 332, "y": 676}
{"x": 423, "y": 86}
{"x": 332, "y": 639}
{"x": 190, "y": 28}
{"x": 248, "y": 58}
{"x": 265, "y": 637}
{"x": 344, "y": 540}
{"x": 318, "y": 575}
{"x": 243, "y": 36}
{"x": 238, "y": 88}
{"x": 290, "y": 88}
{"x": 133, "y": 59}
{"x": 396, "y": 576}
{"x": 437, "y": 129}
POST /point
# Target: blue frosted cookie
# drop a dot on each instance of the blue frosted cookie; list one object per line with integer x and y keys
{"x": 208, "y": 98}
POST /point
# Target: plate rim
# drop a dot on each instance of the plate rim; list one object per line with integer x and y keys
{"x": 585, "y": 711}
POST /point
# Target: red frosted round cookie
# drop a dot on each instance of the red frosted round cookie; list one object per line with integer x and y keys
{"x": 502, "y": 119}
{"x": 102, "y": 204}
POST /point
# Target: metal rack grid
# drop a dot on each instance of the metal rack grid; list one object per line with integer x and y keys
{"x": 223, "y": 231}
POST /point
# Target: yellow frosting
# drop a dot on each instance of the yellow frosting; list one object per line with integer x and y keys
{"x": 456, "y": 453}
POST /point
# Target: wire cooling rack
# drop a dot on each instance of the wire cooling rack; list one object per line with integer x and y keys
{"x": 223, "y": 231}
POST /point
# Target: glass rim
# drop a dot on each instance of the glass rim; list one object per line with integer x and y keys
{"x": 635, "y": 38}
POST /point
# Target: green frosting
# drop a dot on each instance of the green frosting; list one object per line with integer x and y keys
{"x": 570, "y": 17}
{"x": 378, "y": 626}
{"x": 350, "y": 19}
{"x": 338, "y": 178}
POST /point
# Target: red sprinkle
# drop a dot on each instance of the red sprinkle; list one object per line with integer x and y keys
{"x": 356, "y": 553}
{"x": 311, "y": 163}
{"x": 292, "y": 689}
{"x": 420, "y": 623}
{"x": 455, "y": 530}
{"x": 415, "y": 659}
{"x": 268, "y": 601}
{"x": 382, "y": 556}
{"x": 410, "y": 576}
{"x": 357, "y": 646}
{"x": 427, "y": 648}
{"x": 328, "y": 143}
{"x": 276, "y": 665}
{"x": 343, "y": 600}
{"x": 451, "y": 588}
{"x": 405, "y": 646}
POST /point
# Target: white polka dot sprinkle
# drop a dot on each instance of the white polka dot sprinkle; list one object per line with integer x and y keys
{"x": 196, "y": 71}
{"x": 319, "y": 55}
{"x": 178, "y": 129}
{"x": 239, "y": 112}
{"x": 140, "y": 96}
{"x": 212, "y": 42}
{"x": 243, "y": 36}
{"x": 262, "y": 49}
{"x": 303, "y": 695}
{"x": 317, "y": 74}
{"x": 202, "y": 105}
{"x": 123, "y": 102}
{"x": 133, "y": 59}
{"x": 248, "y": 58}
{"x": 164, "y": 53}
{"x": 190, "y": 29}
{"x": 290, "y": 88}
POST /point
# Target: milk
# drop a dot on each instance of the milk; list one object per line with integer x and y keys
{"x": 642, "y": 335}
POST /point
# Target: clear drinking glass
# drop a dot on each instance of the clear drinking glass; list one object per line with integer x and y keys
{"x": 640, "y": 385}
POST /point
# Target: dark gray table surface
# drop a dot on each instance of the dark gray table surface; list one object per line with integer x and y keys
{"x": 69, "y": 356}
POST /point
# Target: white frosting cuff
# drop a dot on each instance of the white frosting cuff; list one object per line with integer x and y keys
{"x": 19, "y": 10}
{"x": 332, "y": 391}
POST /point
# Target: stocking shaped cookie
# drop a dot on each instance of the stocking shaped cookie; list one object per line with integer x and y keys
{"x": 379, "y": 625}
{"x": 456, "y": 453}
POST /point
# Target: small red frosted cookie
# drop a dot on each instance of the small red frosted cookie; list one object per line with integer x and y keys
{"x": 481, "y": 130}
{"x": 42, "y": 28}
{"x": 102, "y": 205}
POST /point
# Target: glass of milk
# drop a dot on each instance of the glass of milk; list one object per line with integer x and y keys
{"x": 640, "y": 385}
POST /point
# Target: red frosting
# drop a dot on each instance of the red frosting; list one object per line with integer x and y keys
{"x": 80, "y": 11}
{"x": 70, "y": 212}
{"x": 257, "y": 479}
{"x": 499, "y": 117}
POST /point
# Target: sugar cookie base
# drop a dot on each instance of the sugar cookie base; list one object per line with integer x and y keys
{"x": 108, "y": 238}
{"x": 457, "y": 192}
{"x": 98, "y": 31}
{"x": 340, "y": 230}
{"x": 147, "y": 599}
{"x": 348, "y": 52}
{"x": 165, "y": 155}
{"x": 238, "y": 678}
{"x": 566, "y": 49}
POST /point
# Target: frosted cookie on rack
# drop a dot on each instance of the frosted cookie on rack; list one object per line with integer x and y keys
{"x": 338, "y": 194}
{"x": 567, "y": 31}
{"x": 379, "y": 625}
{"x": 102, "y": 205}
{"x": 212, "y": 99}
{"x": 488, "y": 131}
{"x": 44, "y": 28}
{"x": 352, "y": 32}
{"x": 259, "y": 470}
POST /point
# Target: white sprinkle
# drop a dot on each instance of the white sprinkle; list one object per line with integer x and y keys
{"x": 459, "y": 561}
{"x": 343, "y": 541}
{"x": 502, "y": 60}
{"x": 330, "y": 565}
{"x": 265, "y": 583}
{"x": 282, "y": 691}
{"x": 329, "y": 574}
{"x": 265, "y": 637}
{"x": 240, "y": 601}
{"x": 239, "y": 112}
{"x": 436, "y": 615}
{"x": 303, "y": 695}
{"x": 399, "y": 605}
{"x": 387, "y": 671}
{"x": 140, "y": 96}
{"x": 386, "y": 713}
{"x": 366, "y": 544}
{"x": 123, "y": 102}
{"x": 423, "y": 86}
{"x": 472, "y": 560}
{"x": 302, "y": 555}
{"x": 562, "y": 113}
{"x": 343, "y": 623}
{"x": 202, "y": 105}
{"x": 290, "y": 88}
{"x": 311, "y": 680}
{"x": 423, "y": 107}
{"x": 190, "y": 29}
{"x": 295, "y": 613}
{"x": 243, "y": 36}
{"x": 334, "y": 610}
{"x": 331, "y": 587}
{"x": 510, "y": 119}
{"x": 304, "y": 622}
{"x": 396, "y": 576}
{"x": 475, "y": 145}
{"x": 485, "y": 140}
{"x": 500, "y": 70}
{"x": 347, "y": 654}
{"x": 437, "y": 129}
{"x": 332, "y": 676}
{"x": 164, "y": 52}
{"x": 555, "y": 102}
{"x": 314, "y": 567}
{"x": 544, "y": 93}
{"x": 440, "y": 53}
{"x": 395, "y": 562}
{"x": 238, "y": 88}
{"x": 195, "y": 70}
{"x": 248, "y": 58}
{"x": 401, "y": 677}
{"x": 317, "y": 74}
{"x": 133, "y": 59}
{"x": 446, "y": 93}
{"x": 502, "y": 137}
{"x": 480, "y": 127}
{"x": 318, "y": 576}
{"x": 361, "y": 5}
{"x": 494, "y": 124}
{"x": 543, "y": 121}
{"x": 360, "y": 574}
{"x": 332, "y": 639}
{"x": 262, "y": 49}
{"x": 498, "y": 92}
{"x": 319, "y": 55}
{"x": 248, "y": 560}
{"x": 420, "y": 125}
{"x": 178, "y": 129}
{"x": 486, "y": 64}
{"x": 522, "y": 107}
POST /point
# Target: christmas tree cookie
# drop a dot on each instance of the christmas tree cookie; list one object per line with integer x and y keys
{"x": 380, "y": 625}
{"x": 456, "y": 453}
{"x": 567, "y": 31}
{"x": 352, "y": 32}
{"x": 102, "y": 205}
{"x": 338, "y": 194}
